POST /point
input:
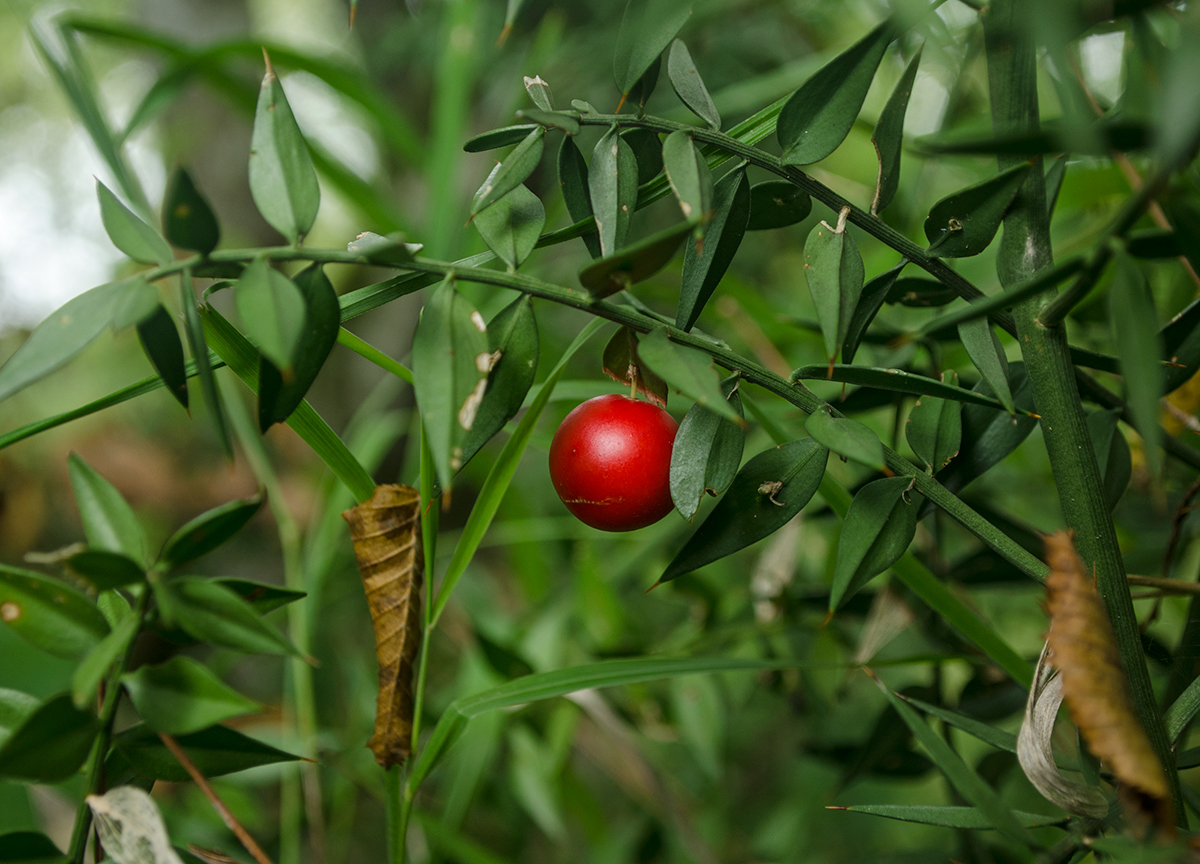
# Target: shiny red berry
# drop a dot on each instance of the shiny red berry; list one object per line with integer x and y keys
{"x": 610, "y": 462}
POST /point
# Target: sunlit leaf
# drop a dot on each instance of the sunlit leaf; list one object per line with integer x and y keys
{"x": 612, "y": 185}
{"x": 512, "y": 171}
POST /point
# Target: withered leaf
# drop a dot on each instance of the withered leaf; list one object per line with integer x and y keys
{"x": 387, "y": 543}
{"x": 1096, "y": 690}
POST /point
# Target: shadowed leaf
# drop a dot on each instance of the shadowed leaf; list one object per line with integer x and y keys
{"x": 705, "y": 264}
{"x": 878, "y": 528}
{"x": 888, "y": 136}
{"x": 188, "y": 220}
{"x": 622, "y": 364}
{"x": 964, "y": 223}
{"x": 777, "y": 204}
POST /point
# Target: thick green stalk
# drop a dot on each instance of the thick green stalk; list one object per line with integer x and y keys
{"x": 1024, "y": 251}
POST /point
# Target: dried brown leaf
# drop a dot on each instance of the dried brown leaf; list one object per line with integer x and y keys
{"x": 387, "y": 543}
{"x": 1096, "y": 690}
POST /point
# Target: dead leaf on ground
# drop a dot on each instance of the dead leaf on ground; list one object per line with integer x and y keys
{"x": 387, "y": 543}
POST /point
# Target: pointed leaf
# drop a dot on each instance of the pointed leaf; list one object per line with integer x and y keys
{"x": 632, "y": 264}
{"x": 878, "y": 528}
{"x": 968, "y": 818}
{"x": 818, "y": 116}
{"x": 777, "y": 204}
{"x": 964, "y": 223}
{"x": 647, "y": 150}
{"x": 647, "y": 28}
{"x": 188, "y": 220}
{"x": 272, "y": 311}
{"x": 769, "y": 490}
{"x": 689, "y": 86}
{"x": 105, "y": 570}
{"x": 985, "y": 352}
{"x": 135, "y": 305}
{"x": 870, "y": 301}
{"x": 689, "y": 371}
{"x": 49, "y": 614}
{"x": 129, "y": 233}
{"x": 934, "y": 431}
{"x": 207, "y": 531}
{"x": 848, "y": 438}
{"x": 497, "y": 138}
{"x": 209, "y": 611}
{"x": 263, "y": 598}
{"x": 1135, "y": 328}
{"x": 511, "y": 227}
{"x": 705, "y": 266}
{"x": 283, "y": 182}
{"x": 512, "y": 171}
{"x": 622, "y": 364}
{"x": 93, "y": 668}
{"x": 215, "y": 752}
{"x": 108, "y": 520}
{"x": 1112, "y": 454}
{"x": 573, "y": 180}
{"x": 687, "y": 172}
{"x": 921, "y": 293}
{"x": 706, "y": 453}
{"x": 51, "y": 744}
{"x": 834, "y": 271}
{"x": 892, "y": 379}
{"x": 888, "y": 136}
{"x": 641, "y": 91}
{"x": 612, "y": 185}
{"x": 194, "y": 329}
{"x": 180, "y": 696}
{"x": 160, "y": 340}
{"x": 989, "y": 435}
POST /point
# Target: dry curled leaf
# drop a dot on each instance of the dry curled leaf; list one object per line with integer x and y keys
{"x": 387, "y": 543}
{"x": 1096, "y": 690}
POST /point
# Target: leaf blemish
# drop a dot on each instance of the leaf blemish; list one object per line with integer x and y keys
{"x": 9, "y": 612}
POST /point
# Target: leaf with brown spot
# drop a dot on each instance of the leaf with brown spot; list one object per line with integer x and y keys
{"x": 387, "y": 543}
{"x": 1096, "y": 689}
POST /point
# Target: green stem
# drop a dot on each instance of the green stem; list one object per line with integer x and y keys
{"x": 1024, "y": 251}
{"x": 369, "y": 352}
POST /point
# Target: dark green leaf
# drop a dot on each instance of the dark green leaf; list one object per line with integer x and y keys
{"x": 497, "y": 138}
{"x": 689, "y": 86}
{"x": 106, "y": 570}
{"x": 215, "y": 752}
{"x": 920, "y": 293}
{"x": 818, "y": 116}
{"x": 1154, "y": 243}
{"x": 188, "y": 220}
{"x": 706, "y": 453}
{"x": 687, "y": 172}
{"x": 878, "y": 528}
{"x": 633, "y": 264}
{"x": 28, "y": 847}
{"x": 211, "y": 612}
{"x": 180, "y": 697}
{"x": 848, "y": 438}
{"x": 834, "y": 271}
{"x": 990, "y": 435}
{"x": 567, "y": 121}
{"x": 964, "y": 223}
{"x": 647, "y": 150}
{"x": 769, "y": 490}
{"x": 934, "y": 430}
{"x": 271, "y": 308}
{"x": 573, "y": 180}
{"x": 892, "y": 379}
{"x": 986, "y": 353}
{"x": 50, "y": 744}
{"x": 451, "y": 362}
{"x": 94, "y": 667}
{"x": 1112, "y": 454}
{"x": 207, "y": 531}
{"x": 640, "y": 94}
{"x": 688, "y": 370}
{"x": 647, "y": 28}
{"x": 622, "y": 364}
{"x": 512, "y": 171}
{"x": 108, "y": 520}
{"x": 1135, "y": 328}
{"x": 194, "y": 329}
{"x": 612, "y": 185}
{"x": 15, "y": 708}
{"x": 777, "y": 204}
{"x": 511, "y": 227}
{"x": 264, "y": 598}
{"x": 968, "y": 818}
{"x": 888, "y": 136}
{"x": 1054, "y": 180}
{"x": 160, "y": 340}
{"x": 870, "y": 301}
{"x": 129, "y": 233}
{"x": 277, "y": 399}
{"x": 283, "y": 182}
{"x": 513, "y": 333}
{"x": 53, "y": 616}
{"x": 704, "y": 264}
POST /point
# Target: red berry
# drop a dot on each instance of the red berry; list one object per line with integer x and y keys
{"x": 610, "y": 462}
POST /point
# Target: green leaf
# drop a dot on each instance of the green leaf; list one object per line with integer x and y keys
{"x": 160, "y": 340}
{"x": 129, "y": 233}
{"x": 934, "y": 431}
{"x": 613, "y": 187}
{"x": 108, "y": 520}
{"x": 194, "y": 329}
{"x": 180, "y": 697}
{"x": 188, "y": 220}
{"x": 15, "y": 708}
{"x": 28, "y": 847}
{"x": 263, "y": 598}
{"x": 689, "y": 86}
{"x": 388, "y": 251}
{"x": 66, "y": 332}
{"x": 998, "y": 738}
{"x": 277, "y": 399}
{"x": 451, "y": 362}
{"x": 632, "y": 264}
{"x": 271, "y": 308}
{"x": 622, "y": 363}
{"x": 512, "y": 171}
{"x": 877, "y": 530}
{"x": 888, "y": 136}
{"x": 135, "y": 305}
{"x": 94, "y": 667}
{"x": 645, "y": 85}
{"x": 207, "y": 531}
{"x": 647, "y": 28}
{"x": 967, "y": 818}
{"x": 211, "y": 612}
{"x": 647, "y": 149}
{"x": 920, "y": 293}
{"x": 215, "y": 752}
{"x": 573, "y": 180}
{"x": 988, "y": 435}
{"x": 704, "y": 265}
{"x": 1054, "y": 180}
{"x": 834, "y": 271}
{"x": 986, "y": 353}
{"x": 687, "y": 172}
{"x": 106, "y": 570}
{"x": 51, "y": 744}
{"x": 513, "y": 333}
{"x": 283, "y": 182}
{"x": 1135, "y": 328}
{"x": 777, "y": 204}
{"x": 870, "y": 301}
{"x": 893, "y": 379}
{"x": 706, "y": 453}
{"x": 769, "y": 490}
{"x": 511, "y": 227}
{"x": 819, "y": 116}
{"x": 49, "y": 614}
{"x": 538, "y": 89}
{"x": 1112, "y": 454}
{"x": 497, "y": 138}
{"x": 688, "y": 370}
{"x": 964, "y": 223}
{"x": 566, "y": 121}
{"x": 848, "y": 438}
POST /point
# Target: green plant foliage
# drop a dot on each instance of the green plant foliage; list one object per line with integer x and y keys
{"x": 573, "y": 182}
{"x": 160, "y": 340}
{"x": 848, "y": 438}
{"x": 646, "y": 30}
{"x": 888, "y": 136}
{"x": 964, "y": 223}
{"x": 181, "y": 696}
{"x": 635, "y": 263}
{"x": 512, "y": 225}
{"x": 188, "y": 219}
{"x": 707, "y": 261}
{"x": 215, "y": 752}
{"x": 687, "y": 172}
{"x": 49, "y": 614}
{"x": 706, "y": 455}
{"x": 207, "y": 531}
{"x": 50, "y": 743}
{"x": 934, "y": 431}
{"x": 272, "y": 311}
{"x": 776, "y": 204}
{"x": 129, "y": 233}
{"x": 1135, "y": 328}
{"x": 108, "y": 521}
{"x": 612, "y": 187}
{"x": 879, "y": 526}
{"x": 211, "y": 612}
{"x": 689, "y": 86}
{"x": 688, "y": 371}
{"x": 833, "y": 269}
{"x": 512, "y": 171}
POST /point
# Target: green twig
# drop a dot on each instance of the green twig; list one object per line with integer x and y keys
{"x": 369, "y": 352}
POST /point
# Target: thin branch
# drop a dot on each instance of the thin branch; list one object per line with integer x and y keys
{"x": 1164, "y": 586}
